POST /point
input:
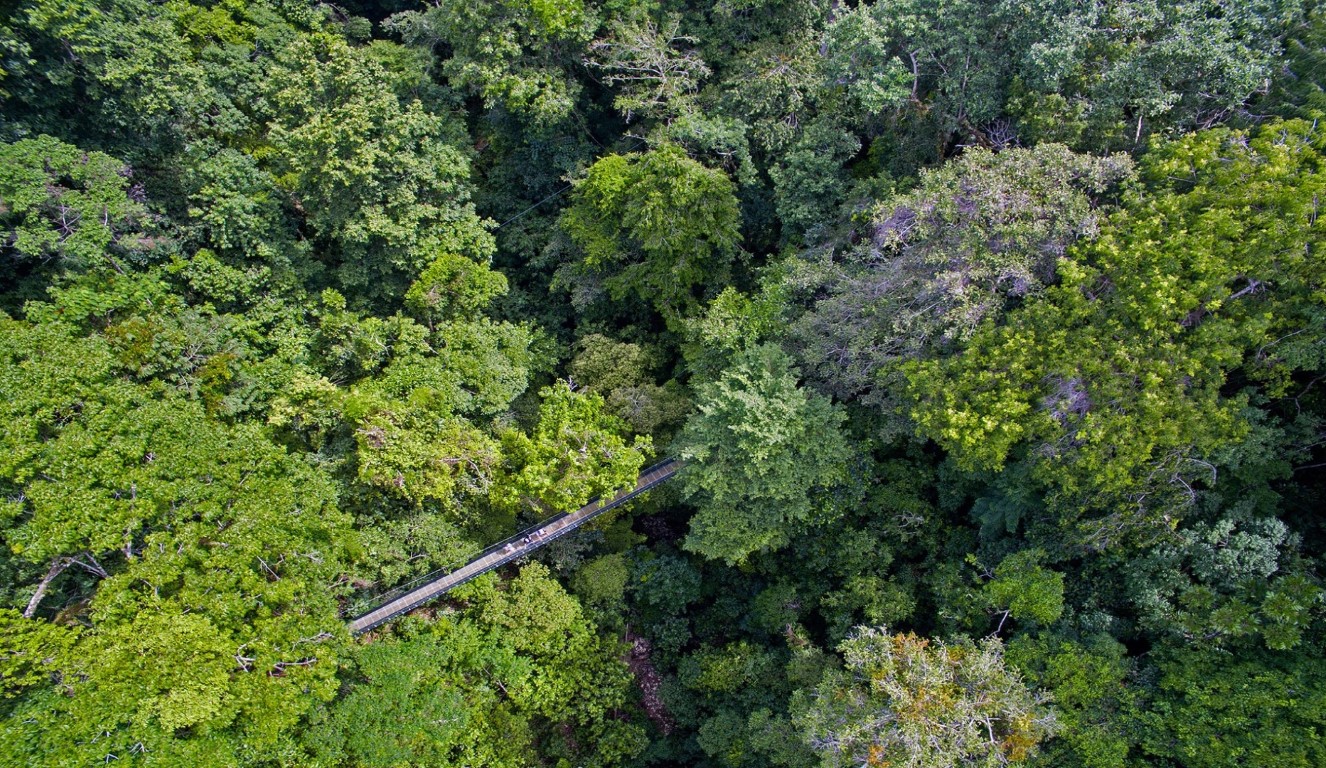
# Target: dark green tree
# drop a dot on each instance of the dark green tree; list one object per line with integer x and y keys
{"x": 377, "y": 179}
{"x": 763, "y": 455}
{"x": 657, "y": 227}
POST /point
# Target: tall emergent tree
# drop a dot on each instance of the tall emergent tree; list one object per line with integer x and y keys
{"x": 903, "y": 700}
{"x": 974, "y": 238}
{"x": 763, "y": 453}
{"x": 1118, "y": 386}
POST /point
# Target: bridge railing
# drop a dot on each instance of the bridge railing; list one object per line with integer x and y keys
{"x": 368, "y": 605}
{"x": 412, "y": 604}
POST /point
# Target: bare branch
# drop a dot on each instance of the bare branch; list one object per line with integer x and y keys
{"x": 57, "y": 567}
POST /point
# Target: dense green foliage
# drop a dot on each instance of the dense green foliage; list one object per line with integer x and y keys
{"x": 992, "y": 335}
{"x": 760, "y": 451}
{"x": 900, "y": 701}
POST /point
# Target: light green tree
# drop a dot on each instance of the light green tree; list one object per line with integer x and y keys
{"x": 201, "y": 546}
{"x": 976, "y": 236}
{"x": 72, "y": 207}
{"x": 421, "y": 455}
{"x": 453, "y": 287}
{"x": 1092, "y": 685}
{"x": 1025, "y": 590}
{"x": 576, "y": 451}
{"x": 1114, "y": 384}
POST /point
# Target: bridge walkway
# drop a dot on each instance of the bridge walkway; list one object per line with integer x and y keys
{"x": 407, "y": 599}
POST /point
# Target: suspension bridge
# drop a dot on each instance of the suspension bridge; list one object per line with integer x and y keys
{"x": 432, "y": 586}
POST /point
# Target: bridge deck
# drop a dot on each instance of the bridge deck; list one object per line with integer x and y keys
{"x": 512, "y": 549}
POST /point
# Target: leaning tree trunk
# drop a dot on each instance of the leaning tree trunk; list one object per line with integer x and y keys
{"x": 57, "y": 567}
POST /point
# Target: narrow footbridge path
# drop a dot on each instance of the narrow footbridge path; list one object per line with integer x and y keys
{"x": 432, "y": 586}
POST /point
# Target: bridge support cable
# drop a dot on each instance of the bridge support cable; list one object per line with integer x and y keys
{"x": 433, "y": 586}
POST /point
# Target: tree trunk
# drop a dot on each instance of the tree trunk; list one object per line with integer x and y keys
{"x": 57, "y": 567}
